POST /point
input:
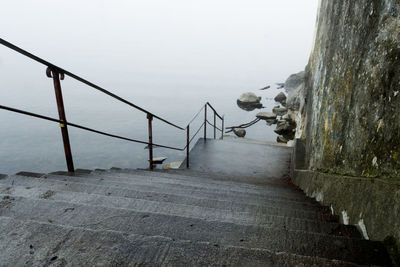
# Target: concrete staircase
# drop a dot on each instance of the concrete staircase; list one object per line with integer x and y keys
{"x": 171, "y": 218}
{"x": 134, "y": 217}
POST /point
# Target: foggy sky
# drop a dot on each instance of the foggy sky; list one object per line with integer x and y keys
{"x": 222, "y": 40}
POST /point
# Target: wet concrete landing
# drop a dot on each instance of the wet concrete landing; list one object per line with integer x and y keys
{"x": 240, "y": 159}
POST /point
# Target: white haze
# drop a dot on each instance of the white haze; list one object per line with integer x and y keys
{"x": 167, "y": 56}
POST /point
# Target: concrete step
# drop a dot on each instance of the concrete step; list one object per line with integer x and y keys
{"x": 130, "y": 196}
{"x": 187, "y": 174}
{"x": 196, "y": 230}
{"x": 205, "y": 176}
{"x": 188, "y": 211}
{"x": 144, "y": 185}
{"x": 31, "y": 243}
{"x": 195, "y": 181}
{"x": 270, "y": 184}
{"x": 158, "y": 194}
{"x": 223, "y": 189}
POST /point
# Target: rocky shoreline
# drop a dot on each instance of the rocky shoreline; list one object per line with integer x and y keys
{"x": 285, "y": 115}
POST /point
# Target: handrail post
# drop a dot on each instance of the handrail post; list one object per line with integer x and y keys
{"x": 215, "y": 125}
{"x": 222, "y": 132}
{"x": 150, "y": 119}
{"x": 187, "y": 146}
{"x": 205, "y": 122}
{"x": 52, "y": 73}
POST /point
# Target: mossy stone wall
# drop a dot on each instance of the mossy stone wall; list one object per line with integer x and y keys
{"x": 353, "y": 89}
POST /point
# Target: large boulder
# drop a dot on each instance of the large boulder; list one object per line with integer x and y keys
{"x": 294, "y": 80}
{"x": 288, "y": 117}
{"x": 249, "y": 101}
{"x": 279, "y": 111}
{"x": 266, "y": 115}
{"x": 286, "y": 128}
{"x": 289, "y": 135}
{"x": 249, "y": 98}
{"x": 239, "y": 132}
{"x": 269, "y": 117}
{"x": 281, "y": 98}
{"x": 271, "y": 122}
{"x": 295, "y": 90}
{"x": 281, "y": 139}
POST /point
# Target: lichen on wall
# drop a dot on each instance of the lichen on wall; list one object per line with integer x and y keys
{"x": 352, "y": 89}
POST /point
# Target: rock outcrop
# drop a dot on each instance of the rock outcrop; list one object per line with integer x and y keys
{"x": 249, "y": 101}
{"x": 266, "y": 115}
{"x": 279, "y": 111}
{"x": 294, "y": 86}
{"x": 286, "y": 128}
{"x": 239, "y": 132}
{"x": 293, "y": 82}
{"x": 281, "y": 98}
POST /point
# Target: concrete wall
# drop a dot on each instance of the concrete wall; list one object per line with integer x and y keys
{"x": 352, "y": 85}
{"x": 350, "y": 116}
{"x": 373, "y": 205}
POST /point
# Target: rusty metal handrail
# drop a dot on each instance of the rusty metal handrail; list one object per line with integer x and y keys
{"x": 63, "y": 123}
{"x": 209, "y": 123}
{"x": 191, "y": 139}
{"x": 57, "y": 74}
{"x": 214, "y": 110}
{"x": 195, "y": 116}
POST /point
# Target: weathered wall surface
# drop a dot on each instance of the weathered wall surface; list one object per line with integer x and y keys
{"x": 372, "y": 205}
{"x": 352, "y": 88}
{"x": 349, "y": 103}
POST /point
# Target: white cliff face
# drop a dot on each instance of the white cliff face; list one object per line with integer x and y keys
{"x": 350, "y": 110}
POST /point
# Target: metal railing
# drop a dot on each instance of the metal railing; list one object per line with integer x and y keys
{"x": 58, "y": 74}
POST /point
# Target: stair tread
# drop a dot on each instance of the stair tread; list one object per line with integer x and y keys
{"x": 157, "y": 194}
{"x": 206, "y": 177}
{"x": 130, "y": 196}
{"x": 181, "y": 189}
{"x": 39, "y": 244}
{"x": 195, "y": 181}
{"x": 102, "y": 218}
{"x": 164, "y": 208}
